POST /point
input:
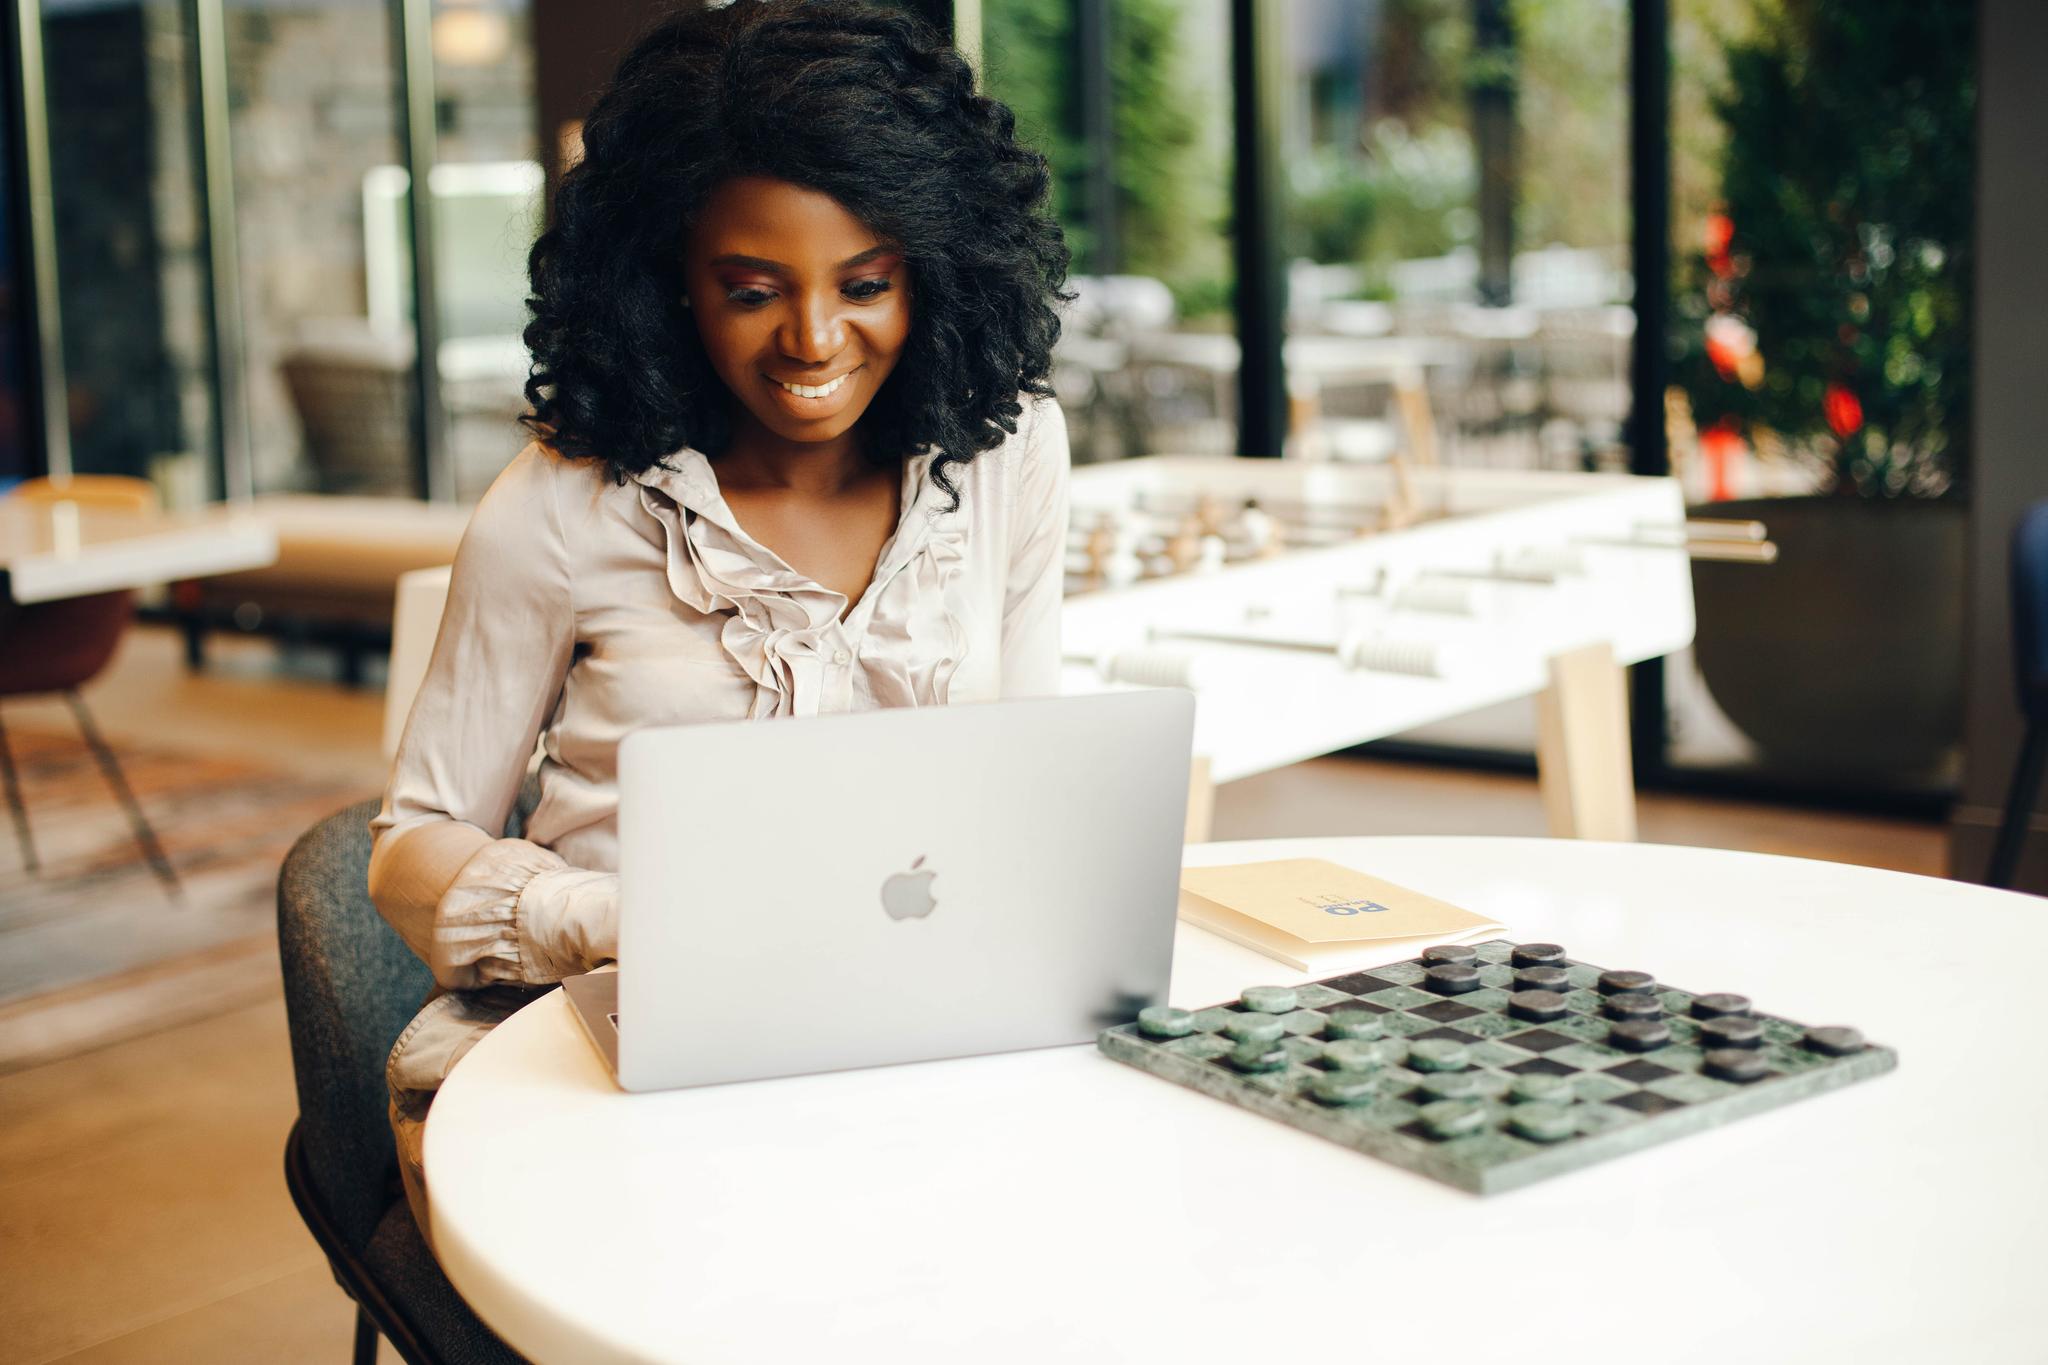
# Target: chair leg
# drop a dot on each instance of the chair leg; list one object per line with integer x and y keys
{"x": 2019, "y": 801}
{"x": 144, "y": 835}
{"x": 12, "y": 782}
{"x": 366, "y": 1338}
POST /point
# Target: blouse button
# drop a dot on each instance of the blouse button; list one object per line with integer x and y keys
{"x": 841, "y": 658}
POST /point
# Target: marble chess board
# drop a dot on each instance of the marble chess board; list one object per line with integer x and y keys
{"x": 1492, "y": 1066}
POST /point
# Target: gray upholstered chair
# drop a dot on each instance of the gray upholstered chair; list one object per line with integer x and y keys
{"x": 351, "y": 985}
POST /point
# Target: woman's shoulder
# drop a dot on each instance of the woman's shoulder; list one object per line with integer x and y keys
{"x": 1032, "y": 461}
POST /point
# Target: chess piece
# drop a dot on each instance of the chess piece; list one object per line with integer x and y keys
{"x": 1451, "y": 978}
{"x": 1164, "y": 1021}
{"x": 1536, "y": 955}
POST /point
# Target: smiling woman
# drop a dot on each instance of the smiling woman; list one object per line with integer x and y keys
{"x": 797, "y": 453}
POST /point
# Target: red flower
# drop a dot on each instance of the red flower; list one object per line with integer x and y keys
{"x": 1720, "y": 231}
{"x": 1845, "y": 412}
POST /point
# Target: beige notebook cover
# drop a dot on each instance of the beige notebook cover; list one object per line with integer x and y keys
{"x": 1306, "y": 912}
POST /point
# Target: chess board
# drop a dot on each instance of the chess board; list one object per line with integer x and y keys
{"x": 1492, "y": 1066}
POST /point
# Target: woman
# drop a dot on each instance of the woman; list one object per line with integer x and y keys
{"x": 796, "y": 453}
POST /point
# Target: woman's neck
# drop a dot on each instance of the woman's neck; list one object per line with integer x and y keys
{"x": 758, "y": 458}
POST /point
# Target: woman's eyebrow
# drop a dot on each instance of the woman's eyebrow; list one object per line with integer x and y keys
{"x": 757, "y": 263}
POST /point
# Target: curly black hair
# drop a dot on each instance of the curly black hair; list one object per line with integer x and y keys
{"x": 865, "y": 104}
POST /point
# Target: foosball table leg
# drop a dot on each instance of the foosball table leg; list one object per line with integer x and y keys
{"x": 1201, "y": 802}
{"x": 1582, "y": 747}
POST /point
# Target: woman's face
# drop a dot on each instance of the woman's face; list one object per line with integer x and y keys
{"x": 789, "y": 288}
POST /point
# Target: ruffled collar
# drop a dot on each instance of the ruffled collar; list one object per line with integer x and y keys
{"x": 782, "y": 629}
{"x": 686, "y": 477}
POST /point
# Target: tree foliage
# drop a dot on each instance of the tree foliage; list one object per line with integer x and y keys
{"x": 1827, "y": 313}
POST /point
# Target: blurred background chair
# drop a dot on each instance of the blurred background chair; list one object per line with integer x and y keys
{"x": 60, "y": 646}
{"x": 350, "y": 987}
{"x": 2030, "y": 672}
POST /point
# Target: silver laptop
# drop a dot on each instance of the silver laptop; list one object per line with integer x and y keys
{"x": 890, "y": 886}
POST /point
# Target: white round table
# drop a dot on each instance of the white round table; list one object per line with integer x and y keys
{"x": 1059, "y": 1206}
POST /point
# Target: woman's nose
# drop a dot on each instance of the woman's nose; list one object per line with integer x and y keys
{"x": 813, "y": 331}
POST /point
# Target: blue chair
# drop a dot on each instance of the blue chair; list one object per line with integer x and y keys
{"x": 351, "y": 986}
{"x": 2030, "y": 670}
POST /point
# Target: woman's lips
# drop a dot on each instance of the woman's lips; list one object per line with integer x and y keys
{"x": 816, "y": 405}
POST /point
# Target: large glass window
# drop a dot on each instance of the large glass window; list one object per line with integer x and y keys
{"x": 487, "y": 209}
{"x": 131, "y": 262}
{"x": 329, "y": 371}
{"x": 1457, "y": 222}
{"x": 1821, "y": 222}
{"x": 1148, "y": 359}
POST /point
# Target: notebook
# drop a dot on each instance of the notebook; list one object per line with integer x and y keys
{"x": 1309, "y": 913}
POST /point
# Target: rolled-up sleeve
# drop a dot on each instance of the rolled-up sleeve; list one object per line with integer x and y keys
{"x": 480, "y": 909}
{"x": 1038, "y": 559}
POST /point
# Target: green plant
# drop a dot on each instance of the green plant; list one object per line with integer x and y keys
{"x": 1826, "y": 311}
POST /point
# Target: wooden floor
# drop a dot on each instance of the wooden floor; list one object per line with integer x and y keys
{"x": 143, "y": 1214}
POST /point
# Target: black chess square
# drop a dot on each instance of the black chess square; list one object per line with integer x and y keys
{"x": 1543, "y": 1066}
{"x": 1358, "y": 983}
{"x": 1640, "y": 1072}
{"x": 1647, "y": 1102}
{"x": 1455, "y": 1035}
{"x": 1445, "y": 1012}
{"x": 1365, "y": 1005}
{"x": 1539, "y": 1040}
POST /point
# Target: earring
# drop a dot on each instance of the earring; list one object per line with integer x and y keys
{"x": 686, "y": 300}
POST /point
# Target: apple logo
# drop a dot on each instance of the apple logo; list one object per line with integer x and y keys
{"x": 908, "y": 895}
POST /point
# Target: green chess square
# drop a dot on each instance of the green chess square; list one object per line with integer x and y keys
{"x": 1592, "y": 1087}
{"x": 1485, "y": 998}
{"x": 1401, "y": 973}
{"x": 1491, "y": 1053}
{"x": 1490, "y": 1025}
{"x": 1683, "y": 1030}
{"x": 1199, "y": 1047}
{"x": 1589, "y": 1056}
{"x": 1301, "y": 1050}
{"x": 1675, "y": 1002}
{"x": 1793, "y": 1060}
{"x": 1679, "y": 1057}
{"x": 1582, "y": 976}
{"x": 1494, "y": 950}
{"x": 1399, "y": 1025}
{"x": 1584, "y": 1027}
{"x": 1213, "y": 1018}
{"x": 1303, "y": 1021}
{"x": 1497, "y": 975}
{"x": 1400, "y": 997}
{"x": 1595, "y": 1119}
{"x": 1317, "y": 997}
{"x": 1388, "y": 1113}
{"x": 1583, "y": 1001}
{"x": 1689, "y": 1088}
{"x": 1290, "y": 1080}
{"x": 1780, "y": 1030}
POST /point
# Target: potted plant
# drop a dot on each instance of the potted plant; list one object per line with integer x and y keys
{"x": 1823, "y": 319}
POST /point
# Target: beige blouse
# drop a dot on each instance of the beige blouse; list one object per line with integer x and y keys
{"x": 580, "y": 609}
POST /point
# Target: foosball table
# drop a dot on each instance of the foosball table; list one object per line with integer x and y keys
{"x": 1312, "y": 606}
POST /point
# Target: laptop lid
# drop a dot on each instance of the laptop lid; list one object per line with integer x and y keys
{"x": 897, "y": 885}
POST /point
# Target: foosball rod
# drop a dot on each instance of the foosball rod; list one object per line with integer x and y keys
{"x": 1372, "y": 654}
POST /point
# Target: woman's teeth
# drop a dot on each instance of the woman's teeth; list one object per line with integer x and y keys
{"x": 817, "y": 390}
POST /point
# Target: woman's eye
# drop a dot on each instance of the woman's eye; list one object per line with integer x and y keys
{"x": 747, "y": 296}
{"x": 864, "y": 290}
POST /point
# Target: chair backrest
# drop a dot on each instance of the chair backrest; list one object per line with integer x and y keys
{"x": 55, "y": 646}
{"x": 415, "y": 621}
{"x": 351, "y": 985}
{"x": 2030, "y": 611}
